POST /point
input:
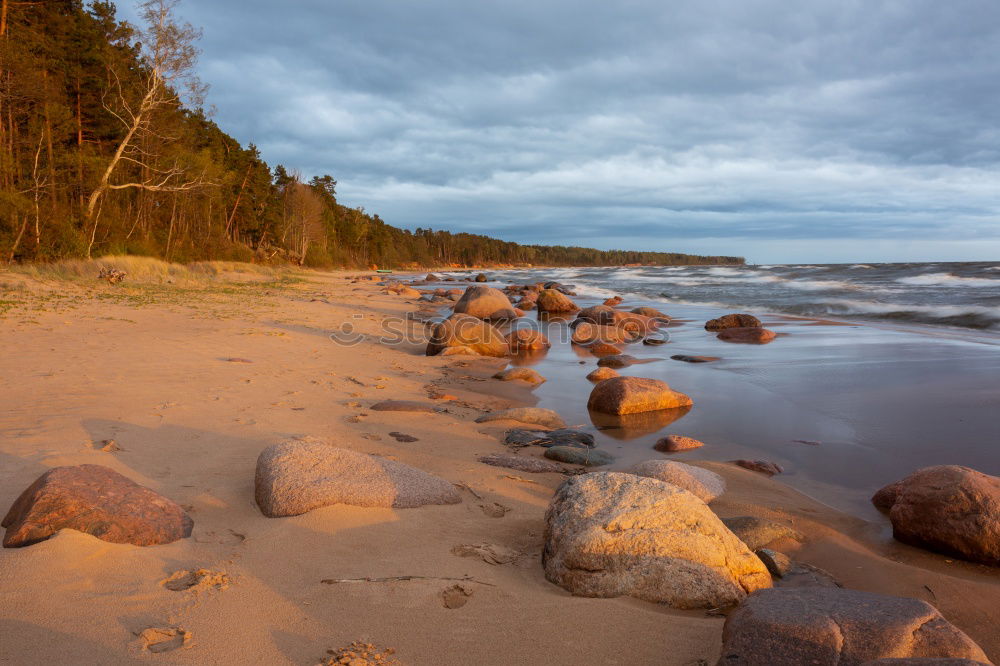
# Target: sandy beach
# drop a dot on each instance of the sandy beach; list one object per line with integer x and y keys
{"x": 179, "y": 387}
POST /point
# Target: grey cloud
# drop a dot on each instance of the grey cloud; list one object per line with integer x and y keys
{"x": 695, "y": 124}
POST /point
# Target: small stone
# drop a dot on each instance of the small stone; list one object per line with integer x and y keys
{"x": 403, "y": 437}
{"x": 616, "y": 361}
{"x": 601, "y": 374}
{"x": 675, "y": 443}
{"x": 732, "y": 321}
{"x": 655, "y": 341}
{"x": 777, "y": 563}
{"x": 579, "y": 456}
{"x": 522, "y": 463}
{"x": 694, "y": 359}
{"x": 762, "y": 466}
{"x": 523, "y": 374}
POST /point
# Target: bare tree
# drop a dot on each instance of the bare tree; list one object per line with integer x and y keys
{"x": 169, "y": 55}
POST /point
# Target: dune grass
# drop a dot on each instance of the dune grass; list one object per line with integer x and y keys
{"x": 147, "y": 270}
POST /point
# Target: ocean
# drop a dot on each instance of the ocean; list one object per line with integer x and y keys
{"x": 961, "y": 295}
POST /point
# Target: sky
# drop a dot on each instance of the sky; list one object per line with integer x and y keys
{"x": 841, "y": 130}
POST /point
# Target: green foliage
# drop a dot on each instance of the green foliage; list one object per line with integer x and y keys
{"x": 70, "y": 75}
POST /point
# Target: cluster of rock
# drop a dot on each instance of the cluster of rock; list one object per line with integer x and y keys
{"x": 610, "y": 534}
{"x": 740, "y": 328}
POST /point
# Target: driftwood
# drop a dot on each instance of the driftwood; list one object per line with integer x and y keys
{"x": 396, "y": 579}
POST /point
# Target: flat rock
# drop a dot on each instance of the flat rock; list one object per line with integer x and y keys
{"x": 297, "y": 476}
{"x": 676, "y": 443}
{"x": 522, "y": 463}
{"x": 632, "y": 395}
{"x": 601, "y": 374}
{"x": 523, "y": 374}
{"x": 948, "y": 509}
{"x": 758, "y": 532}
{"x": 705, "y": 484}
{"x": 655, "y": 341}
{"x": 754, "y": 336}
{"x": 765, "y": 467}
{"x": 536, "y": 415}
{"x": 98, "y": 501}
{"x": 694, "y": 359}
{"x": 609, "y": 534}
{"x": 616, "y": 361}
{"x": 732, "y": 321}
{"x": 827, "y": 625}
{"x": 647, "y": 311}
{"x": 558, "y": 437}
{"x": 577, "y": 455}
{"x": 404, "y": 406}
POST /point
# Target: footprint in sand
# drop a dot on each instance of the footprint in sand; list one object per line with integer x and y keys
{"x": 199, "y": 579}
{"x": 491, "y": 509}
{"x": 490, "y": 553}
{"x": 163, "y": 639}
{"x": 456, "y": 596}
{"x": 227, "y": 538}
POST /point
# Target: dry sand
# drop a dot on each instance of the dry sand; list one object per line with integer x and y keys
{"x": 192, "y": 383}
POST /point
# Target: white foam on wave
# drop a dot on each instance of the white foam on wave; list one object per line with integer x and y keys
{"x": 947, "y": 280}
{"x": 848, "y": 306}
{"x": 865, "y": 266}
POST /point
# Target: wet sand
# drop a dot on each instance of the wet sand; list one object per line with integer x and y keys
{"x": 152, "y": 372}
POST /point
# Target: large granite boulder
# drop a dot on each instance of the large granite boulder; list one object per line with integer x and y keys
{"x": 948, "y": 509}
{"x": 631, "y": 395}
{"x": 485, "y": 303}
{"x": 676, "y": 443}
{"x": 465, "y": 334}
{"x": 609, "y": 534}
{"x": 705, "y": 484}
{"x": 297, "y": 476}
{"x": 551, "y": 300}
{"x": 96, "y": 500}
{"x": 732, "y": 321}
{"x": 833, "y": 626}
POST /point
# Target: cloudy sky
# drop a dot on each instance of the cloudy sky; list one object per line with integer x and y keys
{"x": 841, "y": 130}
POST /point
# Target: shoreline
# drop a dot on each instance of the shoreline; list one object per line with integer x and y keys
{"x": 152, "y": 372}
